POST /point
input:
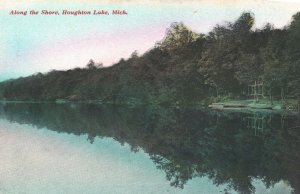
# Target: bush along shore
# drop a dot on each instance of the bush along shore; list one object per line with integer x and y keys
{"x": 184, "y": 69}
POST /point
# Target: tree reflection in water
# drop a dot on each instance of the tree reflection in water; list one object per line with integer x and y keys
{"x": 229, "y": 148}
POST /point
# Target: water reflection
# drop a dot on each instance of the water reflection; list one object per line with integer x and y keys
{"x": 230, "y": 148}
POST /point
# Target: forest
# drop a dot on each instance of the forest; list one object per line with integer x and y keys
{"x": 185, "y": 68}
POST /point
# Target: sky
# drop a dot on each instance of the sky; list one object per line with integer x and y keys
{"x": 40, "y": 43}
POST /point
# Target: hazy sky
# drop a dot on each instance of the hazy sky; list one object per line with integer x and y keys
{"x": 30, "y": 44}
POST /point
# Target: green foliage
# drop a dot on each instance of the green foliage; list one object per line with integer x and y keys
{"x": 177, "y": 36}
{"x": 183, "y": 68}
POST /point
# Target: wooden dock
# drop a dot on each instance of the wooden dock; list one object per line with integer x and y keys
{"x": 242, "y": 105}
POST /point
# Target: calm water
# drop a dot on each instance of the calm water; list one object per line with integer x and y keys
{"x": 73, "y": 148}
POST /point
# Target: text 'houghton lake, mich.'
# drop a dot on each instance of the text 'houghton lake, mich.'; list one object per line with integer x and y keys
{"x": 67, "y": 12}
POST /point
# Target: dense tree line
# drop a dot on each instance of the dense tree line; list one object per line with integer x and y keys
{"x": 185, "y": 67}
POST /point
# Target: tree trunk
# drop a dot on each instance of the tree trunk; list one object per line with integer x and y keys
{"x": 282, "y": 94}
{"x": 270, "y": 94}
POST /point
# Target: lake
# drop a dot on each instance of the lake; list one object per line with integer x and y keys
{"x": 92, "y": 149}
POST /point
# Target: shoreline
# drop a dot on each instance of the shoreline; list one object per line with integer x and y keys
{"x": 245, "y": 106}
